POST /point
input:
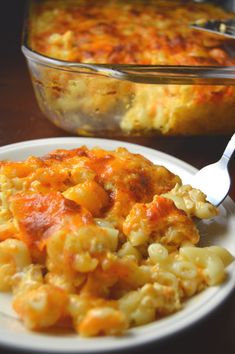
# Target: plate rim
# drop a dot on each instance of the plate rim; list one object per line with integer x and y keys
{"x": 228, "y": 204}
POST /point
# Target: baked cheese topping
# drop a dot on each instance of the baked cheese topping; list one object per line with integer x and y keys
{"x": 129, "y": 32}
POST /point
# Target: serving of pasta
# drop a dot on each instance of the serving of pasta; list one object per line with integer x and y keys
{"x": 101, "y": 241}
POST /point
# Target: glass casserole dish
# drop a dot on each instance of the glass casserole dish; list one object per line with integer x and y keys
{"x": 131, "y": 67}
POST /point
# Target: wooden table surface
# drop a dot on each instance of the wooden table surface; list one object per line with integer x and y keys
{"x": 21, "y": 119}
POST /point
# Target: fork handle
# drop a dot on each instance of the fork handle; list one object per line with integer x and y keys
{"x": 229, "y": 150}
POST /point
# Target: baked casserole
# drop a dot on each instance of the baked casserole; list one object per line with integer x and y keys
{"x": 144, "y": 34}
{"x": 101, "y": 241}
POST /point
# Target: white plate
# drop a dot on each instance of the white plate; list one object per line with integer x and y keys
{"x": 219, "y": 231}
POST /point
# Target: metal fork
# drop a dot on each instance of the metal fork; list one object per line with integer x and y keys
{"x": 214, "y": 179}
{"x": 221, "y": 27}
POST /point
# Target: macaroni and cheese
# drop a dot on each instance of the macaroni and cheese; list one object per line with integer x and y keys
{"x": 101, "y": 241}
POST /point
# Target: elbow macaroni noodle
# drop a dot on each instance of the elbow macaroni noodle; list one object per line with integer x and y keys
{"x": 101, "y": 241}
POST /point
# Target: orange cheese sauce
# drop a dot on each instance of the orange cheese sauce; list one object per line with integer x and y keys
{"x": 41, "y": 215}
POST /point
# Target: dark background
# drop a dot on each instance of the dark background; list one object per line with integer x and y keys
{"x": 20, "y": 119}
